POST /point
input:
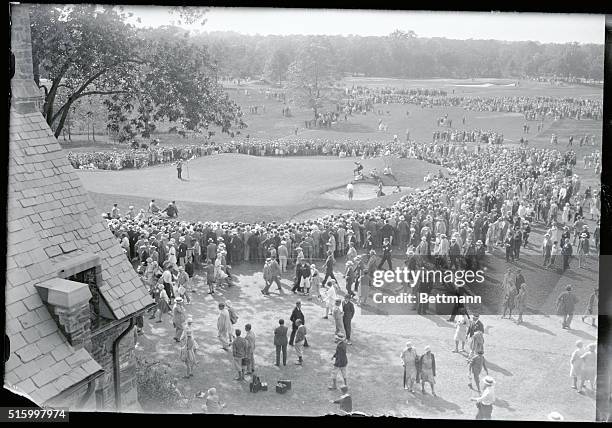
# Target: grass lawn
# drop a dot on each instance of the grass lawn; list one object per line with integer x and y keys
{"x": 232, "y": 187}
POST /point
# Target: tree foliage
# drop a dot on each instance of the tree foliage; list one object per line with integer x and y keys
{"x": 402, "y": 54}
{"x": 144, "y": 75}
{"x": 312, "y": 74}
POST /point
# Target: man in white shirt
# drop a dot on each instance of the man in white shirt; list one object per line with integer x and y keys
{"x": 486, "y": 399}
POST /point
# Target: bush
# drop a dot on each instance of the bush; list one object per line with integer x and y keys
{"x": 156, "y": 387}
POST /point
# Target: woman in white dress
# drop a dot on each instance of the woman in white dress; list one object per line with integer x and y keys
{"x": 172, "y": 252}
{"x": 461, "y": 327}
{"x": 330, "y": 296}
{"x": 220, "y": 274}
{"x": 576, "y": 363}
{"x": 315, "y": 282}
{"x": 588, "y": 370}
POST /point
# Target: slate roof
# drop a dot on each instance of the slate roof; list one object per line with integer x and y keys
{"x": 50, "y": 218}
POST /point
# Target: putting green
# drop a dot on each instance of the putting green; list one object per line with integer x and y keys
{"x": 233, "y": 179}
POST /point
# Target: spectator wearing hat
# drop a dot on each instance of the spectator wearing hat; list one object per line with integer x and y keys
{"x": 300, "y": 341}
{"x": 171, "y": 211}
{"x": 251, "y": 339}
{"x": 475, "y": 325}
{"x": 163, "y": 303}
{"x": 329, "y": 267}
{"x": 115, "y": 212}
{"x": 521, "y": 302}
{"x": 280, "y": 342}
{"x": 224, "y": 327}
{"x": 348, "y": 312}
{"x": 274, "y": 275}
{"x": 454, "y": 253}
{"x": 338, "y": 317}
{"x": 427, "y": 370}
{"x": 410, "y": 361}
{"x": 211, "y": 250}
{"x": 484, "y": 403}
{"x": 189, "y": 347}
{"x": 583, "y": 249}
{"x": 178, "y": 318}
{"x": 296, "y": 315}
{"x": 340, "y": 362}
{"x": 283, "y": 255}
{"x": 476, "y": 363}
{"x": 547, "y": 249}
{"x": 576, "y": 363}
{"x": 182, "y": 282}
{"x": 349, "y": 276}
{"x": 386, "y": 256}
{"x": 240, "y": 354}
{"x": 588, "y": 371}
{"x": 566, "y": 253}
{"x": 566, "y": 304}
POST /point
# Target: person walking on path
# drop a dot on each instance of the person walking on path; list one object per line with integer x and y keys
{"x": 484, "y": 403}
{"x": 461, "y": 327}
{"x": 300, "y": 341}
{"x": 340, "y": 363}
{"x": 296, "y": 315}
{"x": 280, "y": 342}
{"x": 566, "y": 303}
{"x": 250, "y": 338}
{"x": 224, "y": 327}
{"x": 521, "y": 302}
{"x": 178, "y": 318}
{"x": 476, "y": 364}
{"x": 329, "y": 267}
{"x": 386, "y": 257}
{"x": 576, "y": 363}
{"x": 589, "y": 367}
{"x": 339, "y": 319}
{"x": 163, "y": 303}
{"x": 240, "y": 354}
{"x": 274, "y": 275}
{"x": 348, "y": 312}
{"x": 410, "y": 361}
{"x": 427, "y": 370}
{"x": 179, "y": 169}
{"x": 189, "y": 348}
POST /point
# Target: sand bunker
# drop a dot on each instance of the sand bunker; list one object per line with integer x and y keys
{"x": 361, "y": 192}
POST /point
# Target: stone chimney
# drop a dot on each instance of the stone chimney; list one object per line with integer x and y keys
{"x": 26, "y": 97}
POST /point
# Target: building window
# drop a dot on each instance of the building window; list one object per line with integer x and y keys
{"x": 96, "y": 303}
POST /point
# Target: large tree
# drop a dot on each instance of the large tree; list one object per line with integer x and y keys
{"x": 312, "y": 74}
{"x": 276, "y": 66}
{"x": 144, "y": 76}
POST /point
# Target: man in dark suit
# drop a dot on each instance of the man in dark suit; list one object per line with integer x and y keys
{"x": 280, "y": 341}
{"x": 454, "y": 254}
{"x": 348, "y": 311}
{"x": 297, "y": 314}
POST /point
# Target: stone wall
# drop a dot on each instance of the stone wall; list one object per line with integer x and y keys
{"x": 75, "y": 323}
{"x": 102, "y": 351}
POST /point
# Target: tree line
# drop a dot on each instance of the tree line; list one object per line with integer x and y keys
{"x": 402, "y": 54}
